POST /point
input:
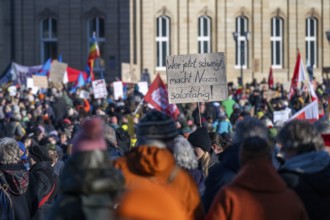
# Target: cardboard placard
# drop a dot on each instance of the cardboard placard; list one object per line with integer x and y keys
{"x": 196, "y": 78}
{"x": 40, "y": 81}
{"x": 30, "y": 84}
{"x": 269, "y": 94}
{"x": 56, "y": 74}
{"x": 143, "y": 87}
{"x": 99, "y": 89}
{"x": 118, "y": 90}
{"x": 129, "y": 73}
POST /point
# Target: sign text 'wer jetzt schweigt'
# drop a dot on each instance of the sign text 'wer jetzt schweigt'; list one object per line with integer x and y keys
{"x": 196, "y": 78}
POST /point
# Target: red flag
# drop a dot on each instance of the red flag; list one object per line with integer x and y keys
{"x": 299, "y": 75}
{"x": 157, "y": 96}
{"x": 270, "y": 78}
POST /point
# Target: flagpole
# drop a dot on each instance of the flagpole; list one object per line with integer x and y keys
{"x": 138, "y": 107}
{"x": 199, "y": 112}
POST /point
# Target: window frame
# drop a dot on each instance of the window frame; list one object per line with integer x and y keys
{"x": 201, "y": 37}
{"x": 274, "y": 39}
{"x": 311, "y": 39}
{"x": 49, "y": 38}
{"x": 161, "y": 39}
{"x": 241, "y": 38}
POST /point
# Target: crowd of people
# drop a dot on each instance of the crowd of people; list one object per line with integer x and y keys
{"x": 67, "y": 157}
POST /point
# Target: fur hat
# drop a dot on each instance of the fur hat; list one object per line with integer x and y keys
{"x": 110, "y": 135}
{"x": 200, "y": 138}
{"x": 9, "y": 151}
{"x": 39, "y": 153}
{"x": 90, "y": 136}
{"x": 156, "y": 125}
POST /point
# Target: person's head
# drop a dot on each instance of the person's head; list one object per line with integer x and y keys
{"x": 249, "y": 127}
{"x": 53, "y": 156}
{"x": 110, "y": 135}
{"x": 156, "y": 128}
{"x": 216, "y": 142}
{"x": 255, "y": 148}
{"x": 38, "y": 153}
{"x": 299, "y": 137}
{"x": 10, "y": 152}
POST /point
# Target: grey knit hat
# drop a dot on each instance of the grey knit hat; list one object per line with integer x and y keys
{"x": 156, "y": 125}
{"x": 9, "y": 151}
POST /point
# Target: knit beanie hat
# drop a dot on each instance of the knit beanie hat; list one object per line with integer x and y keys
{"x": 39, "y": 153}
{"x": 200, "y": 138}
{"x": 90, "y": 136}
{"x": 9, "y": 151}
{"x": 156, "y": 125}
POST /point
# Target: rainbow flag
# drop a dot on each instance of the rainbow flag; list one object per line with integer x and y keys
{"x": 94, "y": 52}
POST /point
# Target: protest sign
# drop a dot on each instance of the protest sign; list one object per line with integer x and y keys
{"x": 30, "y": 84}
{"x": 129, "y": 73}
{"x": 12, "y": 90}
{"x": 269, "y": 94}
{"x": 118, "y": 90}
{"x": 40, "y": 81}
{"x": 56, "y": 74}
{"x": 283, "y": 115}
{"x": 83, "y": 94}
{"x": 196, "y": 78}
{"x": 143, "y": 87}
{"x": 99, "y": 89}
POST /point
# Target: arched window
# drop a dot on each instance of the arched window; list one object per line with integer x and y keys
{"x": 48, "y": 27}
{"x": 204, "y": 34}
{"x": 311, "y": 41}
{"x": 162, "y": 40}
{"x": 97, "y": 25}
{"x": 242, "y": 29}
{"x": 276, "y": 40}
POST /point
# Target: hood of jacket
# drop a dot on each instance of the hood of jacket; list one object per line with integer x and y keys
{"x": 91, "y": 172}
{"x": 259, "y": 176}
{"x": 16, "y": 177}
{"x": 150, "y": 161}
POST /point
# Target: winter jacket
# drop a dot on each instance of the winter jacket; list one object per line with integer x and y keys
{"x": 257, "y": 193}
{"x": 89, "y": 186}
{"x": 43, "y": 187}
{"x": 148, "y": 165}
{"x": 228, "y": 105}
{"x": 14, "y": 129}
{"x": 309, "y": 175}
{"x": 17, "y": 178}
{"x": 220, "y": 174}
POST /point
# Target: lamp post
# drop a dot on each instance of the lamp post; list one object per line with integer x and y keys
{"x": 238, "y": 36}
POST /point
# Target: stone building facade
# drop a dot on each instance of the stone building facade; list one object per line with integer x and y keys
{"x": 276, "y": 29}
{"x": 38, "y": 29}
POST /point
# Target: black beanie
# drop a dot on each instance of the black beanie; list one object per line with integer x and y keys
{"x": 200, "y": 138}
{"x": 157, "y": 125}
{"x": 39, "y": 153}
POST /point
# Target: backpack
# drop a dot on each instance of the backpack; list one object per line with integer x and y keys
{"x": 6, "y": 205}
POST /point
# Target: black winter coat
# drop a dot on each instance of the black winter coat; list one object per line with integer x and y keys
{"x": 43, "y": 182}
{"x": 313, "y": 189}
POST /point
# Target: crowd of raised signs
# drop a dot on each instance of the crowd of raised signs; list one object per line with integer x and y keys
{"x": 67, "y": 156}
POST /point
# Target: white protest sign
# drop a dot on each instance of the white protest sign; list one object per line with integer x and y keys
{"x": 40, "y": 81}
{"x": 30, "y": 84}
{"x": 283, "y": 115}
{"x": 99, "y": 89}
{"x": 83, "y": 94}
{"x": 196, "y": 78}
{"x": 118, "y": 90}
{"x": 12, "y": 90}
{"x": 143, "y": 87}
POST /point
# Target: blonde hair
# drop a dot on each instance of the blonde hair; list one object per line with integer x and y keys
{"x": 205, "y": 162}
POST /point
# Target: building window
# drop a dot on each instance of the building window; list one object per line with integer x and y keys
{"x": 276, "y": 40}
{"x": 204, "y": 34}
{"x": 97, "y": 26}
{"x": 162, "y": 40}
{"x": 311, "y": 41}
{"x": 48, "y": 28}
{"x": 242, "y": 29}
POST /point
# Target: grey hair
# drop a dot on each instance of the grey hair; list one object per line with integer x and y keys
{"x": 249, "y": 127}
{"x": 322, "y": 126}
{"x": 9, "y": 151}
{"x": 300, "y": 136}
{"x": 184, "y": 154}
